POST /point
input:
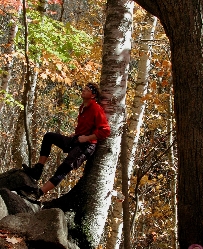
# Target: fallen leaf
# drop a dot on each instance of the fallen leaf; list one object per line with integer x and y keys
{"x": 14, "y": 240}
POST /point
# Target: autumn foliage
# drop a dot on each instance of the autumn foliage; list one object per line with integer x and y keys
{"x": 63, "y": 56}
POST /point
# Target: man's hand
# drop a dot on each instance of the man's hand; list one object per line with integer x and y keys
{"x": 83, "y": 138}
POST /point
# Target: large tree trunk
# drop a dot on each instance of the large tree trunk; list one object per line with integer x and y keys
{"x": 182, "y": 20}
{"x": 91, "y": 197}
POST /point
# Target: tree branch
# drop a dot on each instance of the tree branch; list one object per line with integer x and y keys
{"x": 150, "y": 5}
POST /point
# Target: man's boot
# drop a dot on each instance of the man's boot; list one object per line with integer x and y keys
{"x": 34, "y": 172}
{"x": 32, "y": 195}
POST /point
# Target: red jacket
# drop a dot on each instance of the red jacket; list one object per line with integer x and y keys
{"x": 92, "y": 120}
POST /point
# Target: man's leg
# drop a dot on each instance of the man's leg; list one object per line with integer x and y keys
{"x": 74, "y": 160}
{"x": 42, "y": 159}
{"x": 49, "y": 139}
{"x": 47, "y": 187}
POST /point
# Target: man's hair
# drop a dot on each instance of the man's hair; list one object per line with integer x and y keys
{"x": 94, "y": 88}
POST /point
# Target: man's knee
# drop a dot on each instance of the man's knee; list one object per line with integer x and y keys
{"x": 48, "y": 135}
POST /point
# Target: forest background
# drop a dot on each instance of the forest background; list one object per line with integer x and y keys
{"x": 46, "y": 58}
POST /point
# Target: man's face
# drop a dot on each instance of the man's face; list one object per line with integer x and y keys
{"x": 87, "y": 93}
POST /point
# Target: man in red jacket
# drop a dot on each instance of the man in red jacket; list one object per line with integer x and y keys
{"x": 92, "y": 126}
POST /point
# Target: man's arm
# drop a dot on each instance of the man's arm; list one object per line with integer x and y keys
{"x": 102, "y": 129}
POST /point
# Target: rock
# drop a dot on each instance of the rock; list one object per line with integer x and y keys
{"x": 44, "y": 229}
{"x": 38, "y": 228}
{"x": 16, "y": 179}
{"x": 16, "y": 223}
{"x": 3, "y": 208}
{"x": 49, "y": 226}
{"x": 16, "y": 204}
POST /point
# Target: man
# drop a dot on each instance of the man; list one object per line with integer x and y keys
{"x": 92, "y": 126}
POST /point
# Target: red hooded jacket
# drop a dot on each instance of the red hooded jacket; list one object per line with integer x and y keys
{"x": 92, "y": 120}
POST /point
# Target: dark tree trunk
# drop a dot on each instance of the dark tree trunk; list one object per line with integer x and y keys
{"x": 182, "y": 20}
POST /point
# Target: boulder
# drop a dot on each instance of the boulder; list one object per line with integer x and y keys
{"x": 16, "y": 179}
{"x": 16, "y": 204}
{"x": 3, "y": 208}
{"x": 32, "y": 226}
{"x": 49, "y": 226}
{"x": 44, "y": 229}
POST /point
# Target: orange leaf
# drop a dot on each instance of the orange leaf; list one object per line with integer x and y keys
{"x": 46, "y": 56}
{"x": 157, "y": 64}
{"x": 165, "y": 63}
{"x": 65, "y": 68}
{"x": 146, "y": 97}
{"x": 164, "y": 83}
{"x": 156, "y": 101}
{"x": 153, "y": 85}
{"x": 160, "y": 74}
{"x": 44, "y": 76}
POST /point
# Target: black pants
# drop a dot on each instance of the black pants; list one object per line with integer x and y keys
{"x": 77, "y": 153}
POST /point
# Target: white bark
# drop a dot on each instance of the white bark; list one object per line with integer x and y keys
{"x": 114, "y": 239}
{"x": 170, "y": 125}
{"x": 116, "y": 56}
{"x": 142, "y": 83}
{"x": 136, "y": 119}
{"x": 9, "y": 50}
{"x": 19, "y": 149}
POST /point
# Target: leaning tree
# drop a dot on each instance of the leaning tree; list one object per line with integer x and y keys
{"x": 88, "y": 201}
{"x": 183, "y": 24}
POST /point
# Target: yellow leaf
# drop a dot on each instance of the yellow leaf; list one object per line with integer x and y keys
{"x": 59, "y": 66}
{"x": 65, "y": 68}
{"x": 53, "y": 78}
{"x": 60, "y": 79}
{"x": 88, "y": 67}
{"x": 44, "y": 76}
{"x": 35, "y": 21}
{"x": 68, "y": 81}
{"x": 144, "y": 180}
{"x": 14, "y": 240}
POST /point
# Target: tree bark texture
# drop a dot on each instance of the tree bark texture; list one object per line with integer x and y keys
{"x": 182, "y": 21}
{"x": 126, "y": 209}
{"x": 138, "y": 108}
